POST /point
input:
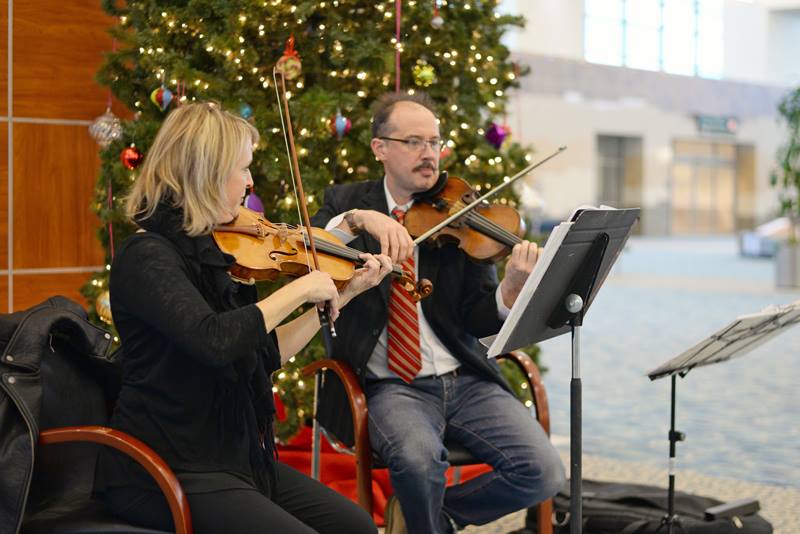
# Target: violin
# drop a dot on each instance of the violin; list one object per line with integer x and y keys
{"x": 486, "y": 233}
{"x": 266, "y": 250}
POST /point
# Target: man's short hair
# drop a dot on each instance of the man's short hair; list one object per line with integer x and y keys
{"x": 384, "y": 105}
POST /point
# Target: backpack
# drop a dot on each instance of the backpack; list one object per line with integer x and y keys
{"x": 616, "y": 508}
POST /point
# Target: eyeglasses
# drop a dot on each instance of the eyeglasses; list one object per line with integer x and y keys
{"x": 417, "y": 144}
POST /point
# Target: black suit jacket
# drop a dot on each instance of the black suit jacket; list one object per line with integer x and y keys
{"x": 462, "y": 308}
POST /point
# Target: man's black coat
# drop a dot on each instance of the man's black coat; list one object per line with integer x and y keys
{"x": 462, "y": 308}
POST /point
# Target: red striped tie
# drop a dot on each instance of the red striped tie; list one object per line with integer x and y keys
{"x": 403, "y": 352}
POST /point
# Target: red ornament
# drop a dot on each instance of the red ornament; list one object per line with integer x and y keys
{"x": 131, "y": 157}
{"x": 289, "y": 63}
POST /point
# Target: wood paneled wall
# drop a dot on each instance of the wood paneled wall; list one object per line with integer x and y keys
{"x": 50, "y": 51}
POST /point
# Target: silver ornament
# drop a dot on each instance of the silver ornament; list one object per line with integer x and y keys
{"x": 437, "y": 22}
{"x": 106, "y": 128}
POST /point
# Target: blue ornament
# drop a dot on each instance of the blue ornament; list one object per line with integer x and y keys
{"x": 246, "y": 111}
{"x": 340, "y": 125}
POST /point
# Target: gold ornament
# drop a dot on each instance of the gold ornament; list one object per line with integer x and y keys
{"x": 424, "y": 74}
{"x": 103, "y": 306}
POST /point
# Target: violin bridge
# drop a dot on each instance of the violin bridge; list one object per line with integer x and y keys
{"x": 283, "y": 233}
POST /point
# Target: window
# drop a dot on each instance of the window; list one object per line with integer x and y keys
{"x": 675, "y": 36}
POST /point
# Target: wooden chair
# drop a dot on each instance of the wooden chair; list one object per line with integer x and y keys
{"x": 457, "y": 455}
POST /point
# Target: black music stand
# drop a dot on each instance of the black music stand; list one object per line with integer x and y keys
{"x": 735, "y": 340}
{"x": 572, "y": 266}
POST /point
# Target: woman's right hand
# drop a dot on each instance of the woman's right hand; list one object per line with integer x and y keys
{"x": 317, "y": 287}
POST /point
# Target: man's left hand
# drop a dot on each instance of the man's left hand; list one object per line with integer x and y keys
{"x": 519, "y": 267}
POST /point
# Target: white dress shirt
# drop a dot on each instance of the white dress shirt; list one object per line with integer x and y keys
{"x": 436, "y": 359}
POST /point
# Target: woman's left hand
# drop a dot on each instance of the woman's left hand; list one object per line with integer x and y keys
{"x": 375, "y": 268}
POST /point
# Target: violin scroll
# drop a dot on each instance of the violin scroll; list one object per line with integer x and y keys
{"x": 416, "y": 290}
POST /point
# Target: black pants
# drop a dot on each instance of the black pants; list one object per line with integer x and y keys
{"x": 300, "y": 505}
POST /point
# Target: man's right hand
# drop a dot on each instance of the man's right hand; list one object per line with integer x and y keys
{"x": 393, "y": 236}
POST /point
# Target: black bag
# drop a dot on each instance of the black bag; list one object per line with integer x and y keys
{"x": 614, "y": 508}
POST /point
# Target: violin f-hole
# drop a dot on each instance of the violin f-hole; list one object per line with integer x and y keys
{"x": 274, "y": 255}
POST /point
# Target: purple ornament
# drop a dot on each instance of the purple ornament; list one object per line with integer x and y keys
{"x": 496, "y": 134}
{"x": 251, "y": 201}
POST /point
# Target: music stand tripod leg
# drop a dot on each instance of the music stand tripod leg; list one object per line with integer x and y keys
{"x": 674, "y": 437}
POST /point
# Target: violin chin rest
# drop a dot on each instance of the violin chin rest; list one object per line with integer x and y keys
{"x": 435, "y": 190}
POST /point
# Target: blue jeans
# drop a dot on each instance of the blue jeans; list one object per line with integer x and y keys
{"x": 407, "y": 426}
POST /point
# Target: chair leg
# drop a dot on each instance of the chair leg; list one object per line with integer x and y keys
{"x": 364, "y": 478}
{"x": 544, "y": 517}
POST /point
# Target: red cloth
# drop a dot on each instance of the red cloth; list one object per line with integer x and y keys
{"x": 338, "y": 471}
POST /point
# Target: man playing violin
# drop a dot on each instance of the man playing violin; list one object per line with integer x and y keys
{"x": 425, "y": 376}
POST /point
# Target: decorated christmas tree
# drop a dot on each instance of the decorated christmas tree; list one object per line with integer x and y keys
{"x": 339, "y": 56}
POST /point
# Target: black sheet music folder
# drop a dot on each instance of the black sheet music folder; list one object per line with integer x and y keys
{"x": 561, "y": 259}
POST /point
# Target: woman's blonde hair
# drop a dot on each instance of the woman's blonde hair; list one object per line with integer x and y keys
{"x": 193, "y": 155}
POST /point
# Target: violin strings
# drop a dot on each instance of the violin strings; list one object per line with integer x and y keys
{"x": 489, "y": 227}
{"x": 493, "y": 229}
{"x": 323, "y": 245}
{"x": 289, "y": 160}
{"x": 344, "y": 252}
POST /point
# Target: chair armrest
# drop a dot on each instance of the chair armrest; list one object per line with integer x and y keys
{"x": 355, "y": 396}
{"x": 534, "y": 377}
{"x": 359, "y": 413}
{"x": 136, "y": 449}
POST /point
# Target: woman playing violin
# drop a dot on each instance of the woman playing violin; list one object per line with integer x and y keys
{"x": 198, "y": 348}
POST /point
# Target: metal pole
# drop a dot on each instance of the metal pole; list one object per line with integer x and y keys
{"x": 575, "y": 505}
{"x": 574, "y": 304}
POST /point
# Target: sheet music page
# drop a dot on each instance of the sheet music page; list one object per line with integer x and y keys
{"x": 546, "y": 255}
{"x": 773, "y": 309}
{"x": 587, "y": 207}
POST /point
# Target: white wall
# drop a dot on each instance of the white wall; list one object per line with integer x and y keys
{"x": 745, "y": 31}
{"x": 554, "y": 27}
{"x": 547, "y": 122}
{"x": 760, "y": 45}
{"x": 783, "y": 61}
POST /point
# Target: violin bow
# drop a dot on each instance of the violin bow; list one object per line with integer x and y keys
{"x": 297, "y": 181}
{"x": 488, "y": 194}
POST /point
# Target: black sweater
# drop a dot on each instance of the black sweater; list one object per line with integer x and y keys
{"x": 196, "y": 363}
